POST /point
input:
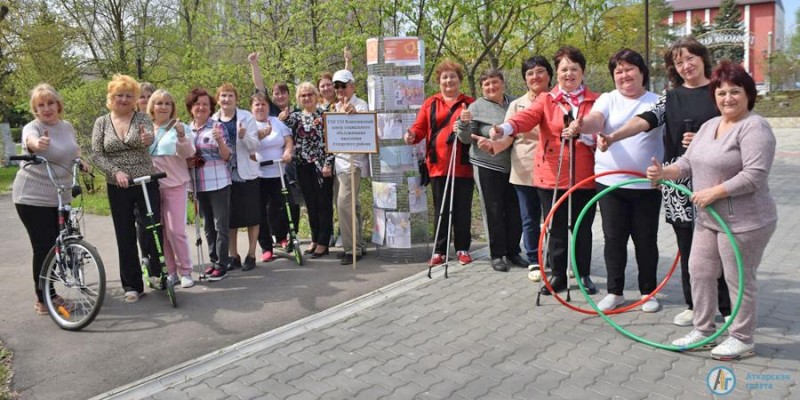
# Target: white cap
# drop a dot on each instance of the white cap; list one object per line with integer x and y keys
{"x": 343, "y": 76}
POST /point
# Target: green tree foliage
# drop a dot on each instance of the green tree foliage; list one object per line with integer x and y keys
{"x": 77, "y": 45}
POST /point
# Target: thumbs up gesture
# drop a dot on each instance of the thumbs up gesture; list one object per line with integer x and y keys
{"x": 218, "y": 134}
{"x": 466, "y": 115}
{"x": 284, "y": 115}
{"x": 262, "y": 133}
{"x": 655, "y": 172}
{"x": 144, "y": 136}
{"x": 44, "y": 141}
{"x": 496, "y": 132}
{"x": 179, "y": 129}
{"x": 241, "y": 130}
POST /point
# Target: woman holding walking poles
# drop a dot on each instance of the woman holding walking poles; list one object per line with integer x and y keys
{"x": 447, "y": 161}
{"x": 563, "y": 157}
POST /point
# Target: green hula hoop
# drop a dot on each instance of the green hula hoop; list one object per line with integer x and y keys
{"x": 713, "y": 212}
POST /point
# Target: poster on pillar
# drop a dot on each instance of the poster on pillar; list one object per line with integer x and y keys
{"x": 351, "y": 133}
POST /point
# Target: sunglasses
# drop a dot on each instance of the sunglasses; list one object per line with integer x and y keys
{"x": 338, "y": 85}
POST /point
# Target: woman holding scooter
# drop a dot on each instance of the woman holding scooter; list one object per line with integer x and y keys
{"x": 274, "y": 142}
{"x": 170, "y": 149}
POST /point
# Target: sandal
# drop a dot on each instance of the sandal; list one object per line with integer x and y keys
{"x": 40, "y": 308}
{"x": 131, "y": 296}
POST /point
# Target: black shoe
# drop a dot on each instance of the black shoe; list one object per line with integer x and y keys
{"x": 347, "y": 259}
{"x": 559, "y": 285}
{"x": 517, "y": 261}
{"x": 310, "y": 250}
{"x": 589, "y": 285}
{"x": 249, "y": 263}
{"x": 236, "y": 262}
{"x": 321, "y": 254}
{"x": 499, "y": 265}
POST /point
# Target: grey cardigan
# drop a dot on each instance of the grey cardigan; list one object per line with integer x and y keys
{"x": 740, "y": 160}
{"x": 485, "y": 113}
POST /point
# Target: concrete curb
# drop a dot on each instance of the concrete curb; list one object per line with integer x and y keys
{"x": 150, "y": 385}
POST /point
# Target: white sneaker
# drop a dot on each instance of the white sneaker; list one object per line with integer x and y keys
{"x": 733, "y": 349}
{"x": 187, "y": 281}
{"x": 684, "y": 318}
{"x": 651, "y": 306}
{"x": 694, "y": 337}
{"x": 533, "y": 266}
{"x": 172, "y": 280}
{"x": 610, "y": 302}
{"x": 535, "y": 275}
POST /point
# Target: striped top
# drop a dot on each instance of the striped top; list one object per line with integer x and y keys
{"x": 214, "y": 174}
{"x": 32, "y": 186}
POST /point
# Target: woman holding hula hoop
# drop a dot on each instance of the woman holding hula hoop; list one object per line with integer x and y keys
{"x": 729, "y": 161}
{"x": 630, "y": 212}
{"x": 681, "y": 110}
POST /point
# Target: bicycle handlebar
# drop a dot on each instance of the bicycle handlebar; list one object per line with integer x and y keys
{"x": 25, "y": 157}
{"x": 147, "y": 178}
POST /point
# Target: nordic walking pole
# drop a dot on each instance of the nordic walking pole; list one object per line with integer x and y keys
{"x": 546, "y": 244}
{"x": 198, "y": 239}
{"x": 567, "y": 120}
{"x": 452, "y": 175}
{"x": 441, "y": 212}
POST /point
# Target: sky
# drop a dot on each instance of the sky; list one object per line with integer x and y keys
{"x": 789, "y": 9}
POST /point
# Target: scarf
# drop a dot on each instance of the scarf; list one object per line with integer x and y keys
{"x": 574, "y": 97}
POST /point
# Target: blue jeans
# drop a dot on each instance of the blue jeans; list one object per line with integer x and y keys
{"x": 530, "y": 210}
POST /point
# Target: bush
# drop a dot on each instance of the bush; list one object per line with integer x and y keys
{"x": 16, "y": 135}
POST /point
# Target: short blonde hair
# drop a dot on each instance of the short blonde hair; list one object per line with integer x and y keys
{"x": 44, "y": 91}
{"x": 121, "y": 83}
{"x": 160, "y": 94}
{"x": 303, "y": 87}
{"x": 226, "y": 87}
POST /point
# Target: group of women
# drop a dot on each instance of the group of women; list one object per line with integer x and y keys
{"x": 523, "y": 153}
{"x": 550, "y": 140}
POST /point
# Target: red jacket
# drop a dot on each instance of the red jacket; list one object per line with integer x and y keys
{"x": 549, "y": 116}
{"x": 438, "y": 153}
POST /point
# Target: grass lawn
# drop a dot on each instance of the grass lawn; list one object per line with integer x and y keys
{"x": 7, "y": 178}
{"x": 5, "y": 374}
{"x": 779, "y": 104}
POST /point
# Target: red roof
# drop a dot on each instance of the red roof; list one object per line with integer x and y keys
{"x": 681, "y": 5}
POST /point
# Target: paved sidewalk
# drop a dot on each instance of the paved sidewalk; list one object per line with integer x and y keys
{"x": 479, "y": 334}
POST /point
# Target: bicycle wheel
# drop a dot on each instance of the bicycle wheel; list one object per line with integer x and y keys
{"x": 75, "y": 286}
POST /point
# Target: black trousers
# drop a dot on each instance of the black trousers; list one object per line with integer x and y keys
{"x": 42, "y": 226}
{"x": 122, "y": 203}
{"x": 462, "y": 212}
{"x": 630, "y": 213}
{"x": 684, "y": 236}
{"x": 318, "y": 193}
{"x": 557, "y": 253}
{"x": 273, "y": 213}
{"x": 501, "y": 205}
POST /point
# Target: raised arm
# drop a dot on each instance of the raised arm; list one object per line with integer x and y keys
{"x": 255, "y": 70}
{"x": 348, "y": 59}
{"x": 634, "y": 126}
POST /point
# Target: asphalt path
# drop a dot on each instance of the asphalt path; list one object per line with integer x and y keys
{"x": 130, "y": 341}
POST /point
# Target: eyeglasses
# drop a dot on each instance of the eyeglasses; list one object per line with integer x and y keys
{"x": 339, "y": 85}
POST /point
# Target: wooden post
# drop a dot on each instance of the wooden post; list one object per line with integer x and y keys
{"x": 353, "y": 195}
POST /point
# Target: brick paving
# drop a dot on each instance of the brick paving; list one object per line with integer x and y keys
{"x": 479, "y": 335}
